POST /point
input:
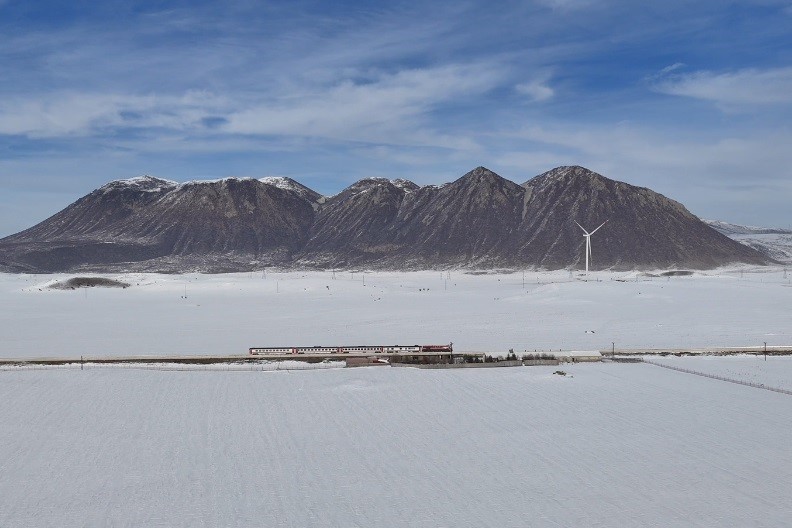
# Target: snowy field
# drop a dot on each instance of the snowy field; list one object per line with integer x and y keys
{"x": 773, "y": 372}
{"x": 607, "y": 445}
{"x": 227, "y": 314}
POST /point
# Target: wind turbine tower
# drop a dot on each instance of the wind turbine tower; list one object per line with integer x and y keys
{"x": 587, "y": 235}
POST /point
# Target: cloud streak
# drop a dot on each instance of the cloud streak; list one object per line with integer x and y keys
{"x": 391, "y": 108}
{"x": 687, "y": 95}
{"x": 83, "y": 114}
{"x": 746, "y": 87}
{"x": 537, "y": 89}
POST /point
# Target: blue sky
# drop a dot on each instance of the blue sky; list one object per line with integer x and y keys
{"x": 691, "y": 99}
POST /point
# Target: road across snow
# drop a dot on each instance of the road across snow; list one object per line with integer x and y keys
{"x": 227, "y": 314}
{"x": 606, "y": 445}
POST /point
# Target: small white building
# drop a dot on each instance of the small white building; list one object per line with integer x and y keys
{"x": 577, "y": 356}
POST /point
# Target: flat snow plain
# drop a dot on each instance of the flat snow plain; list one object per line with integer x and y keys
{"x": 606, "y": 445}
{"x": 227, "y": 314}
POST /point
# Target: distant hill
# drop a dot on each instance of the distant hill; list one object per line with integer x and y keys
{"x": 480, "y": 220}
{"x": 775, "y": 243}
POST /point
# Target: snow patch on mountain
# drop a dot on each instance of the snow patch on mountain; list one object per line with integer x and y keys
{"x": 405, "y": 185}
{"x": 218, "y": 180}
{"x": 281, "y": 182}
{"x": 144, "y": 183}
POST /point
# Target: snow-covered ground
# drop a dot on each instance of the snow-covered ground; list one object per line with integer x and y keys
{"x": 775, "y": 245}
{"x": 227, "y": 314}
{"x": 773, "y": 242}
{"x": 772, "y": 371}
{"x": 607, "y": 445}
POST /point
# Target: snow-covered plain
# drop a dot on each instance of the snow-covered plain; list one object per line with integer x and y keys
{"x": 772, "y": 371}
{"x": 227, "y": 314}
{"x": 607, "y": 445}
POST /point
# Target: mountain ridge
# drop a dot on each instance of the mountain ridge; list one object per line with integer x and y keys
{"x": 479, "y": 220}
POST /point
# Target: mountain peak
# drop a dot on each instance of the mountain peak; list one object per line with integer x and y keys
{"x": 143, "y": 183}
{"x": 570, "y": 172}
{"x": 366, "y": 184}
{"x": 481, "y": 173}
{"x": 405, "y": 185}
{"x": 288, "y": 184}
{"x": 483, "y": 181}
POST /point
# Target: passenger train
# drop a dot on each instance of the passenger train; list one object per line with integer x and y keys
{"x": 383, "y": 349}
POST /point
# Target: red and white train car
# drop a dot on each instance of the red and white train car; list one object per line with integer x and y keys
{"x": 360, "y": 349}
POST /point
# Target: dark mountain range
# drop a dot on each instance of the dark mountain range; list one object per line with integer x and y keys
{"x": 644, "y": 229}
{"x": 478, "y": 221}
{"x": 151, "y": 224}
{"x": 470, "y": 222}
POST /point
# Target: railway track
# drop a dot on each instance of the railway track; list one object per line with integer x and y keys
{"x": 247, "y": 358}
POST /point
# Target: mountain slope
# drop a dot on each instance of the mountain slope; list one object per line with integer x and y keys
{"x": 480, "y": 220}
{"x": 470, "y": 221}
{"x": 354, "y": 226}
{"x": 644, "y": 229}
{"x": 150, "y": 224}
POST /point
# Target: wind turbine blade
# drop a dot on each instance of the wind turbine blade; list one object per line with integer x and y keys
{"x": 602, "y": 224}
{"x": 581, "y": 227}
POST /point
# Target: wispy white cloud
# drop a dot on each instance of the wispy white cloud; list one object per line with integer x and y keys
{"x": 81, "y": 114}
{"x": 537, "y": 89}
{"x": 725, "y": 176}
{"x": 390, "y": 108}
{"x": 665, "y": 72}
{"x": 749, "y": 86}
{"x": 627, "y": 145}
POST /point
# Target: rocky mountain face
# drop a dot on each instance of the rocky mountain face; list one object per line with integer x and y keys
{"x": 480, "y": 220}
{"x": 151, "y": 224}
{"x": 644, "y": 229}
{"x": 354, "y": 226}
{"x": 469, "y": 222}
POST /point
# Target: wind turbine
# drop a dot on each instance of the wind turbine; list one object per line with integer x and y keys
{"x": 588, "y": 244}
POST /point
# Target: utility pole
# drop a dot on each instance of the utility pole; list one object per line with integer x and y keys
{"x": 765, "y": 350}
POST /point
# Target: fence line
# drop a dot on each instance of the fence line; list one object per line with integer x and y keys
{"x": 721, "y": 378}
{"x": 259, "y": 367}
